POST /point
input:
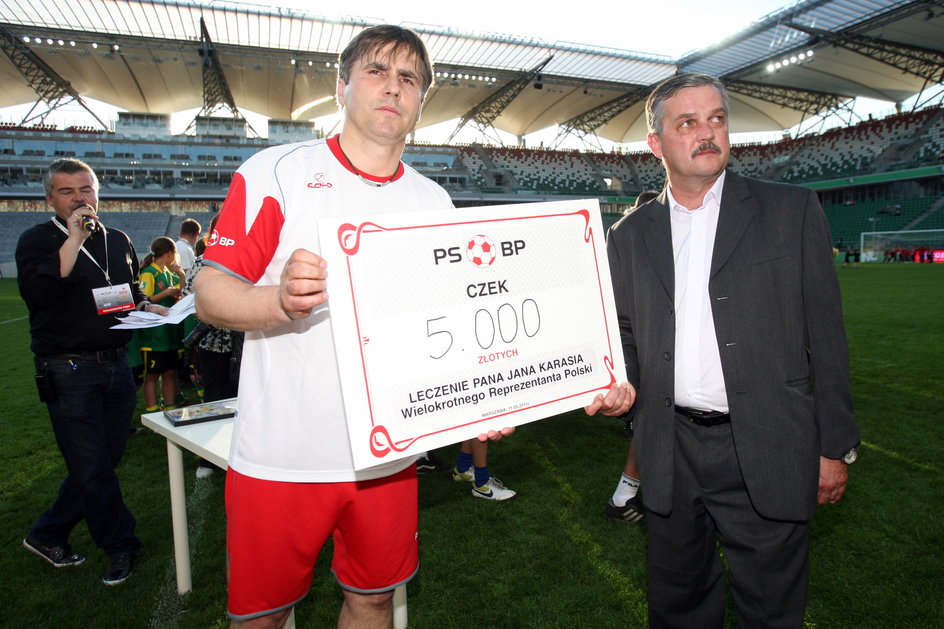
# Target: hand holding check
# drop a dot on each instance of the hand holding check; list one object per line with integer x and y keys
{"x": 303, "y": 286}
{"x": 618, "y": 400}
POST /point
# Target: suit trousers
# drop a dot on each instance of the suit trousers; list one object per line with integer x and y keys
{"x": 767, "y": 559}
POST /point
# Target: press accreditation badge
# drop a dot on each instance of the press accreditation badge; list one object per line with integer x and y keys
{"x": 110, "y": 299}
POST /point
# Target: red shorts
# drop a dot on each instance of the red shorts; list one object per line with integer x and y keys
{"x": 275, "y": 530}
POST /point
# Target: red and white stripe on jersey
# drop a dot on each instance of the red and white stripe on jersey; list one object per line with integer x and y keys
{"x": 245, "y": 250}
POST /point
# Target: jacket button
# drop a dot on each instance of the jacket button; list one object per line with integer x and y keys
{"x": 667, "y": 356}
{"x": 668, "y": 401}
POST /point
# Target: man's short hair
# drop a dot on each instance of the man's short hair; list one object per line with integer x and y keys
{"x": 68, "y": 166}
{"x": 655, "y": 104}
{"x": 374, "y": 39}
{"x": 645, "y": 197}
{"x": 190, "y": 227}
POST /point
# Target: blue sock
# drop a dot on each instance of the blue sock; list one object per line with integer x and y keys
{"x": 464, "y": 461}
{"x": 481, "y": 476}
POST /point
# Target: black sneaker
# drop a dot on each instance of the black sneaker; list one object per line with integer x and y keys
{"x": 631, "y": 512}
{"x": 122, "y": 565}
{"x": 429, "y": 463}
{"x": 58, "y": 556}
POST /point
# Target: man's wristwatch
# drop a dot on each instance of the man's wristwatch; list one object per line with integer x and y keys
{"x": 850, "y": 457}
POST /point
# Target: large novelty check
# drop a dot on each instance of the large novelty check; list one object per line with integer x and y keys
{"x": 449, "y": 324}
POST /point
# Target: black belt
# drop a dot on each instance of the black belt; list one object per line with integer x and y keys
{"x": 703, "y": 417}
{"x": 101, "y": 356}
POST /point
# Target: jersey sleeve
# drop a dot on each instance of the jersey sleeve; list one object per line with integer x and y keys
{"x": 148, "y": 283}
{"x": 247, "y": 234}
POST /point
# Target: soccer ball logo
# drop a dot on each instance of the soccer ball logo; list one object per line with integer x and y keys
{"x": 480, "y": 251}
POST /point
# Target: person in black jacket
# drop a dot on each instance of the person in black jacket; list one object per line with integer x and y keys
{"x": 74, "y": 273}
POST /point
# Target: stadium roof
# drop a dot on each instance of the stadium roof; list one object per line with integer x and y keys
{"x": 151, "y": 56}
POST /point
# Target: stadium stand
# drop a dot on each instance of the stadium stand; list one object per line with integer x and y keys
{"x": 477, "y": 164}
{"x": 931, "y": 148}
{"x": 151, "y": 180}
{"x": 851, "y": 151}
{"x": 556, "y": 172}
{"x": 618, "y": 166}
{"x": 848, "y": 221}
{"x": 651, "y": 173}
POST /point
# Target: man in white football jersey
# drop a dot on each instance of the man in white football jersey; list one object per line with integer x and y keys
{"x": 291, "y": 481}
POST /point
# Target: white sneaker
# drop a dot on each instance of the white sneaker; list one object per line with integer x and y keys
{"x": 467, "y": 476}
{"x": 493, "y": 490}
{"x": 204, "y": 472}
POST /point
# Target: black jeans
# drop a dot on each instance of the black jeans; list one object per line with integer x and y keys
{"x": 91, "y": 417}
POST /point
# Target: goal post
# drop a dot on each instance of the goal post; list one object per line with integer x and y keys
{"x": 873, "y": 245}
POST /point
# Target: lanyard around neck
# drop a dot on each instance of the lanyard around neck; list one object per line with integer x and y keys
{"x": 85, "y": 251}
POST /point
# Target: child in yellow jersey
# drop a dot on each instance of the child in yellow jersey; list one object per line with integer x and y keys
{"x": 161, "y": 279}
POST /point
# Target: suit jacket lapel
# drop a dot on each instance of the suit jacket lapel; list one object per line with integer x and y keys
{"x": 659, "y": 242}
{"x": 737, "y": 211}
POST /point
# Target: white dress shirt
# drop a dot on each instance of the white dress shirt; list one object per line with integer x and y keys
{"x": 699, "y": 382}
{"x": 185, "y": 255}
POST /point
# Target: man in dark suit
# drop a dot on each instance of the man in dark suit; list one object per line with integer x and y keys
{"x": 731, "y": 322}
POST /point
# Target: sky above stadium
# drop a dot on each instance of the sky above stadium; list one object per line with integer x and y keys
{"x": 663, "y": 27}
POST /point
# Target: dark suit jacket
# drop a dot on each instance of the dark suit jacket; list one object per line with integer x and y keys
{"x": 778, "y": 320}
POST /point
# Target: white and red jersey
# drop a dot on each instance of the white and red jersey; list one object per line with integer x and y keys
{"x": 291, "y": 424}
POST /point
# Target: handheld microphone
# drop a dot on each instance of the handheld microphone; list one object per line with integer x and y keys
{"x": 89, "y": 224}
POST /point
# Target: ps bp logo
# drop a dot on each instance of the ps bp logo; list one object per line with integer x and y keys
{"x": 480, "y": 251}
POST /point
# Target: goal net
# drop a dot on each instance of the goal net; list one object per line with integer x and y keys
{"x": 877, "y": 246}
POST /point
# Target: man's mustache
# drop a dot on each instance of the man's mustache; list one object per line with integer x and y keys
{"x": 706, "y": 146}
